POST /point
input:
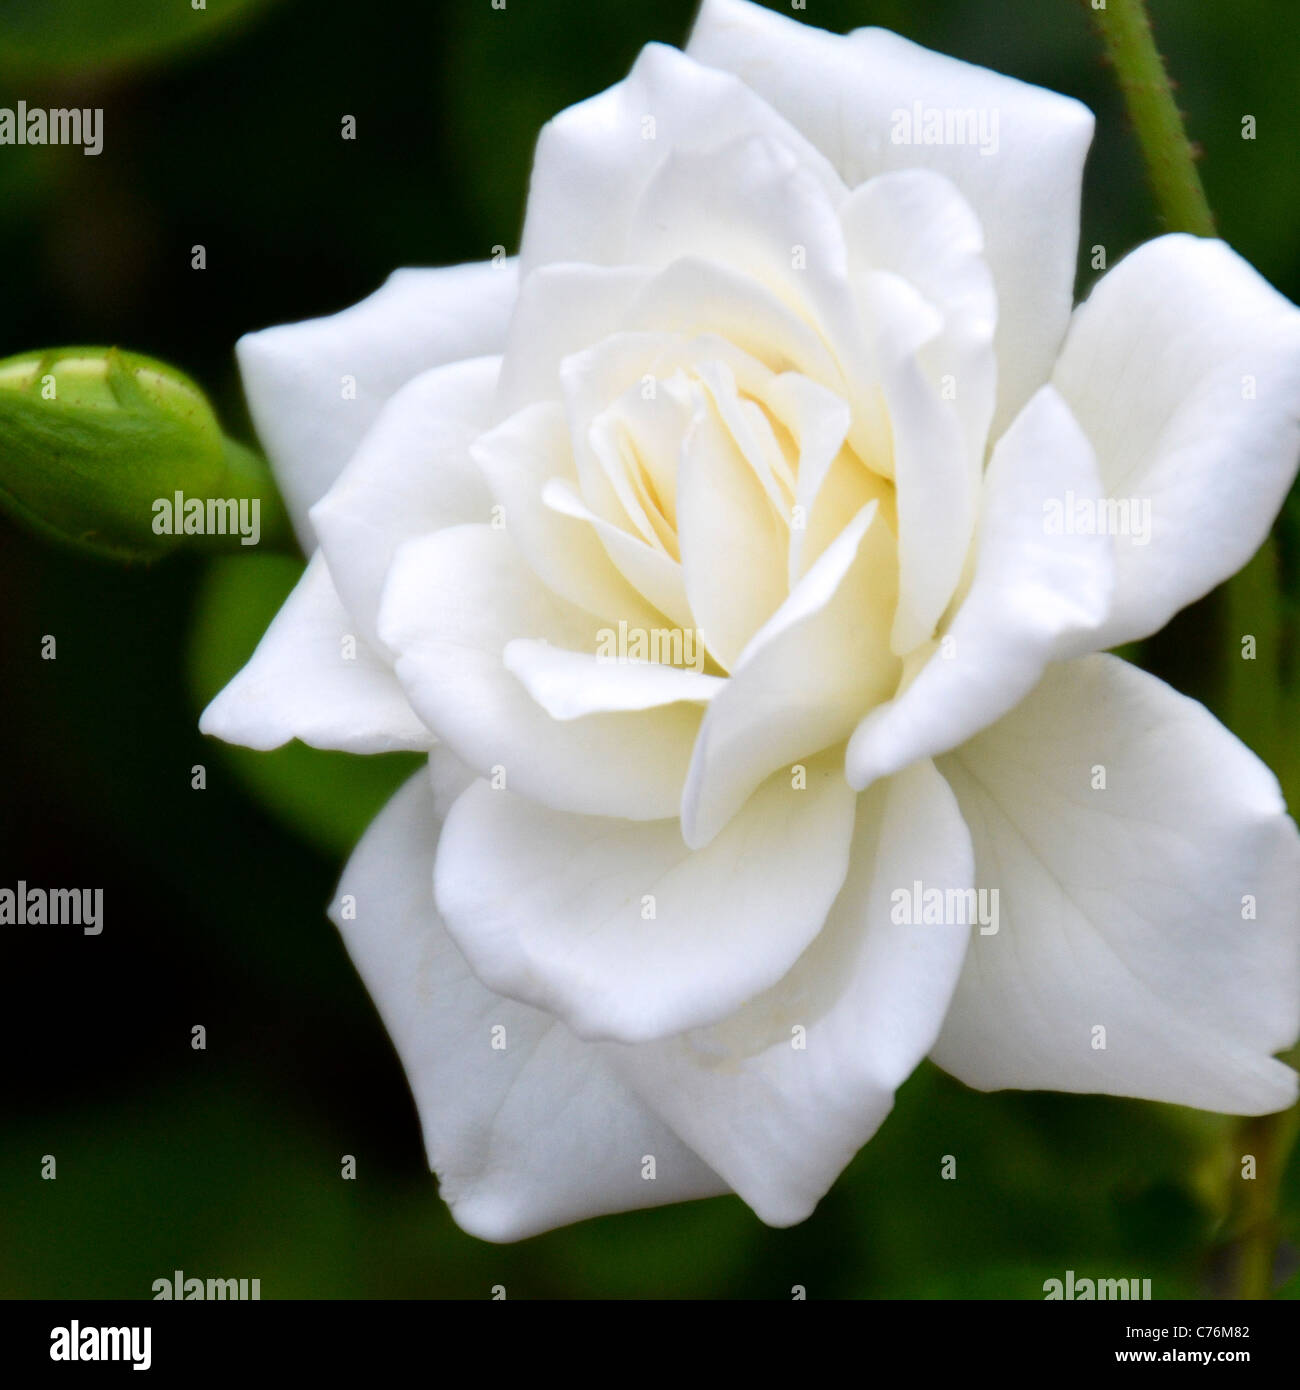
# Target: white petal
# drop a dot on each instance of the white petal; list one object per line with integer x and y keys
{"x": 411, "y": 474}
{"x": 748, "y": 204}
{"x": 562, "y": 309}
{"x": 819, "y": 423}
{"x": 857, "y": 97}
{"x": 702, "y": 298}
{"x": 314, "y": 677}
{"x": 693, "y": 297}
{"x": 779, "y": 1098}
{"x": 518, "y": 458}
{"x": 937, "y": 486}
{"x": 310, "y": 419}
{"x": 526, "y": 1127}
{"x": 1125, "y": 908}
{"x": 916, "y": 225}
{"x": 1032, "y": 592}
{"x": 569, "y": 685}
{"x": 453, "y": 602}
{"x": 594, "y": 159}
{"x": 622, "y": 930}
{"x": 630, "y": 407}
{"x": 1183, "y": 368}
{"x": 656, "y": 576}
{"x": 734, "y": 543}
{"x": 803, "y": 681}
{"x": 597, "y": 383}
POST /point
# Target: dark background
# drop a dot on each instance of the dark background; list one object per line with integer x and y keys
{"x": 222, "y": 127}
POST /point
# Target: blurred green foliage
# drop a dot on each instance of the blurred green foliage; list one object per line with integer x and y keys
{"x": 69, "y": 38}
{"x": 226, "y": 1161}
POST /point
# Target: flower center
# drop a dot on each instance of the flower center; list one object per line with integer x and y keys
{"x": 703, "y": 457}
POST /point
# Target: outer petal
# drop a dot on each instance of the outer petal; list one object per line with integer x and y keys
{"x": 620, "y": 928}
{"x": 749, "y": 205}
{"x": 594, "y": 159}
{"x": 857, "y": 98}
{"x": 780, "y": 1097}
{"x": 526, "y": 1127}
{"x": 1183, "y": 368}
{"x": 1160, "y": 909}
{"x": 453, "y": 603}
{"x": 411, "y": 474}
{"x": 294, "y": 374}
{"x": 314, "y": 678}
{"x": 1031, "y": 592}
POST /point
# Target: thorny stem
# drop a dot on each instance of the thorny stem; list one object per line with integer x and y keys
{"x": 1149, "y": 97}
{"x": 1170, "y": 161}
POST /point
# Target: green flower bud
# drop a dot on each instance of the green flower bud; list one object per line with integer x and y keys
{"x": 117, "y": 453}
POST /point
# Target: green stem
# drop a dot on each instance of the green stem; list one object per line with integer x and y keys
{"x": 1269, "y": 1138}
{"x": 1248, "y": 601}
{"x": 1252, "y": 698}
{"x": 1149, "y": 96}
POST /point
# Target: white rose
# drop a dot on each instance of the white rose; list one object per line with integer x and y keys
{"x": 777, "y": 374}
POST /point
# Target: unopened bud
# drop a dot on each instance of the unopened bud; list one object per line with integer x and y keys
{"x": 121, "y": 454}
